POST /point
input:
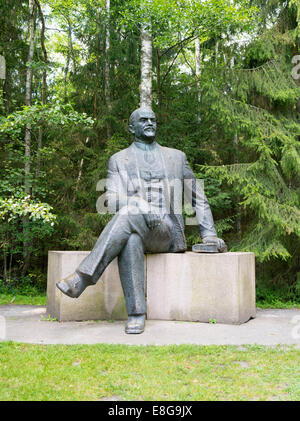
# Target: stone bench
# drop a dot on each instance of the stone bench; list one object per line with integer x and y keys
{"x": 179, "y": 286}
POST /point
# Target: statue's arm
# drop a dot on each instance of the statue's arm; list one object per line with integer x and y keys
{"x": 197, "y": 198}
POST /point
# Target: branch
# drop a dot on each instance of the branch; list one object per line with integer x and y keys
{"x": 187, "y": 62}
{"x": 190, "y": 38}
{"x": 42, "y": 31}
{"x": 55, "y": 29}
{"x": 171, "y": 65}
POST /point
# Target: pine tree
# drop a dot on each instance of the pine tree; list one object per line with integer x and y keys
{"x": 257, "y": 99}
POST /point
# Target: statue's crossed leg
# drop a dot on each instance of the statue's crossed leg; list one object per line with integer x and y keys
{"x": 128, "y": 237}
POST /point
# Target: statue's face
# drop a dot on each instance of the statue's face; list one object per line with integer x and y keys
{"x": 144, "y": 126}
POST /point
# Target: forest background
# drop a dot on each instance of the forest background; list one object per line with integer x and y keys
{"x": 223, "y": 78}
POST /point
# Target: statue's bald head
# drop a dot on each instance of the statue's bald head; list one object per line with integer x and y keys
{"x": 136, "y": 113}
{"x": 142, "y": 123}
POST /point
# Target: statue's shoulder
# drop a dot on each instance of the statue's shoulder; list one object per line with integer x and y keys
{"x": 119, "y": 155}
{"x": 173, "y": 152}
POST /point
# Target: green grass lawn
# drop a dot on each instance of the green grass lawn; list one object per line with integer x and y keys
{"x": 185, "y": 372}
{"x": 38, "y": 299}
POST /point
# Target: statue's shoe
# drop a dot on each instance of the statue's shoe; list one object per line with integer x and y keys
{"x": 135, "y": 324}
{"x": 73, "y": 287}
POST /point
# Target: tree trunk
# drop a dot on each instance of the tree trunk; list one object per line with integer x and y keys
{"x": 198, "y": 72}
{"x": 4, "y": 266}
{"x": 217, "y": 52}
{"x": 10, "y": 266}
{"x": 146, "y": 69}
{"x": 158, "y": 84}
{"x": 66, "y": 74}
{"x": 27, "y": 140}
{"x": 44, "y": 88}
{"x": 236, "y": 161}
{"x": 96, "y": 86}
{"x": 70, "y": 44}
{"x": 28, "y": 93}
{"x": 107, "y": 65}
{"x": 6, "y": 87}
{"x": 79, "y": 173}
{"x": 67, "y": 60}
{"x": 238, "y": 218}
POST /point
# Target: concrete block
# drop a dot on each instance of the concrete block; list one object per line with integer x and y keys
{"x": 102, "y": 301}
{"x": 200, "y": 287}
{"x": 180, "y": 286}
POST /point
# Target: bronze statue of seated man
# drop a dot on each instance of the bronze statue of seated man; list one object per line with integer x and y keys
{"x": 148, "y": 215}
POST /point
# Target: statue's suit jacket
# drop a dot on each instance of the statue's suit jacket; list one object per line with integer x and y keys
{"x": 124, "y": 187}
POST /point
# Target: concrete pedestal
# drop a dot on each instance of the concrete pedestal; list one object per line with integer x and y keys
{"x": 180, "y": 286}
{"x": 103, "y": 301}
{"x": 201, "y": 287}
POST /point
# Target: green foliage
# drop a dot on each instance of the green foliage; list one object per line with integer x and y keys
{"x": 283, "y": 295}
{"x": 25, "y": 286}
{"x": 165, "y": 19}
{"x": 266, "y": 185}
{"x": 14, "y": 208}
{"x": 54, "y": 115}
{"x": 84, "y": 231}
{"x": 14, "y": 232}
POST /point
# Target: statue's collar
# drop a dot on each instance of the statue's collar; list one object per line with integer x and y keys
{"x": 145, "y": 146}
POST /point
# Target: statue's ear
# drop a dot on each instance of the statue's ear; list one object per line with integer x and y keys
{"x": 131, "y": 128}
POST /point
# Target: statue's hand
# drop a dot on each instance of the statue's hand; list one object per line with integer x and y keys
{"x": 152, "y": 220}
{"x": 222, "y": 247}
